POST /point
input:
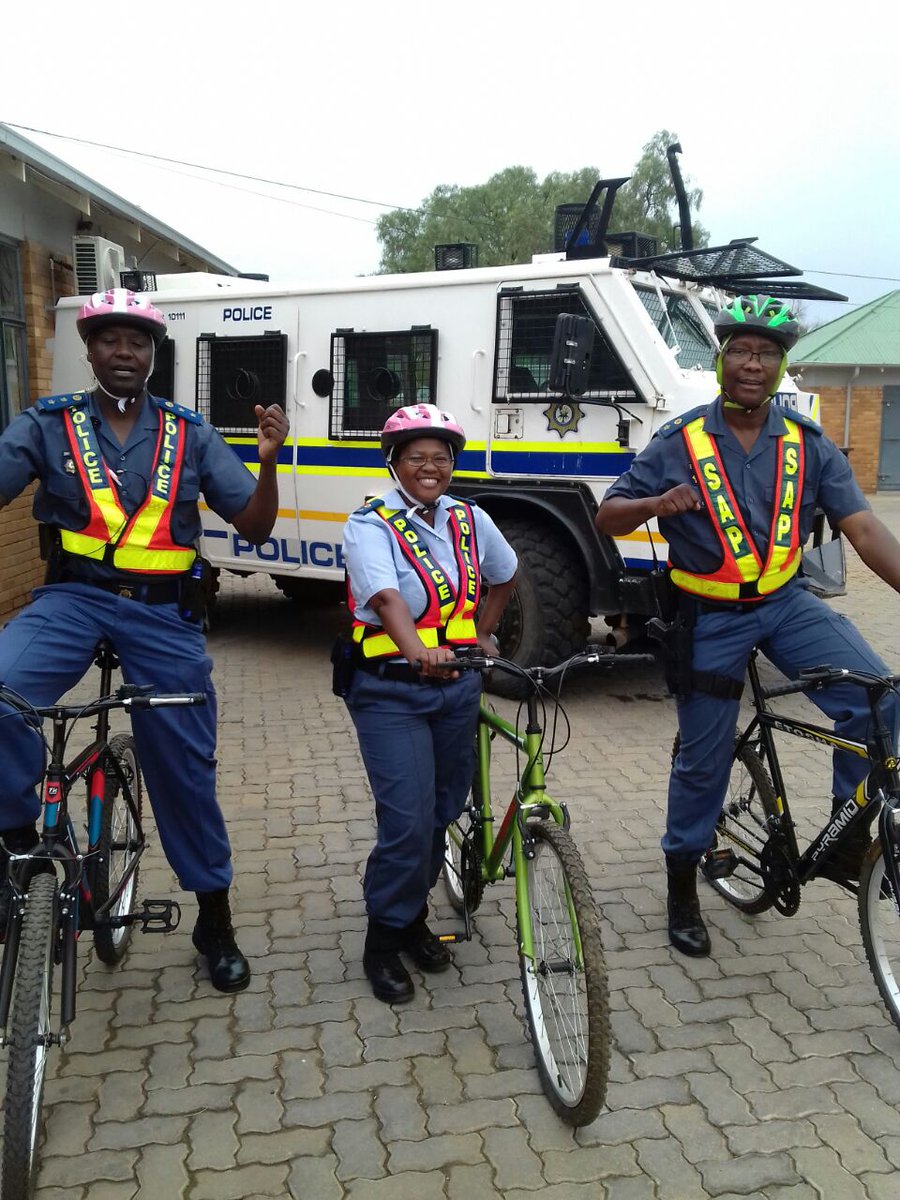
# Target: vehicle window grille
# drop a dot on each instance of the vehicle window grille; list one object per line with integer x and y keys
{"x": 162, "y": 382}
{"x": 526, "y": 323}
{"x": 680, "y": 327}
{"x": 377, "y": 373}
{"x": 234, "y": 374}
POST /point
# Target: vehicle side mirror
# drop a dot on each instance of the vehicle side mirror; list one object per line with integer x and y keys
{"x": 570, "y": 362}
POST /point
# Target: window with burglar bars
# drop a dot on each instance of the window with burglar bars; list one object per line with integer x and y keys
{"x": 234, "y": 374}
{"x": 526, "y": 323}
{"x": 13, "y": 366}
{"x": 377, "y": 373}
{"x": 678, "y": 323}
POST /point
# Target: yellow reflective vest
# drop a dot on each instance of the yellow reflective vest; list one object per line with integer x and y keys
{"x": 448, "y": 615}
{"x": 142, "y": 542}
{"x": 743, "y": 575}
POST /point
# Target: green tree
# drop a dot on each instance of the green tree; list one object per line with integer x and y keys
{"x": 510, "y": 217}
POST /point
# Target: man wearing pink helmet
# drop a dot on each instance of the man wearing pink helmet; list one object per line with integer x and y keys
{"x": 416, "y": 561}
{"x": 120, "y": 474}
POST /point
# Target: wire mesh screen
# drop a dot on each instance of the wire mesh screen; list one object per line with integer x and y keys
{"x": 162, "y": 382}
{"x": 234, "y": 374}
{"x": 677, "y": 322}
{"x": 376, "y": 373}
{"x": 526, "y": 323}
{"x": 565, "y": 218}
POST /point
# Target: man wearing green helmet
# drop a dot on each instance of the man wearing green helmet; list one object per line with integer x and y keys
{"x": 735, "y": 486}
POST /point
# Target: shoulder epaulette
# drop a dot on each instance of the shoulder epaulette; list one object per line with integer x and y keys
{"x": 186, "y": 414}
{"x": 57, "y": 403}
{"x": 678, "y": 423}
{"x": 801, "y": 418}
{"x": 462, "y": 500}
{"x": 372, "y": 506}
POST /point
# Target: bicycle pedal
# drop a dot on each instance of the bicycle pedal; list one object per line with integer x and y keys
{"x": 719, "y": 864}
{"x": 158, "y": 916}
{"x": 452, "y": 938}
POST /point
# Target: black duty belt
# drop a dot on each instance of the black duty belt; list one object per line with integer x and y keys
{"x": 396, "y": 672}
{"x": 736, "y": 607}
{"x": 164, "y": 591}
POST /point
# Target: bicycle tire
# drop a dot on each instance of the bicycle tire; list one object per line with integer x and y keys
{"x": 569, "y": 1024}
{"x": 116, "y": 849}
{"x": 742, "y": 827}
{"x": 879, "y": 923}
{"x": 29, "y": 1029}
{"x": 461, "y": 871}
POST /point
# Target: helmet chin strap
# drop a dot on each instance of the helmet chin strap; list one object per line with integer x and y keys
{"x": 728, "y": 403}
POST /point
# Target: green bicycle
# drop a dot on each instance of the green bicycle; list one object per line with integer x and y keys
{"x": 562, "y": 967}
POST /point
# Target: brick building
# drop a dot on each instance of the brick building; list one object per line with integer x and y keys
{"x": 853, "y": 363}
{"x": 47, "y": 210}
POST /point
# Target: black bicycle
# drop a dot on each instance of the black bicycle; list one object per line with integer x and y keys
{"x": 756, "y": 862}
{"x": 60, "y": 891}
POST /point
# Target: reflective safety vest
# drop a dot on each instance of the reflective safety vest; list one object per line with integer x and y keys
{"x": 448, "y": 615}
{"x": 742, "y": 575}
{"x": 142, "y": 542}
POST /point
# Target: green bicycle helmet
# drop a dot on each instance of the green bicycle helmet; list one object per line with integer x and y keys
{"x": 762, "y": 315}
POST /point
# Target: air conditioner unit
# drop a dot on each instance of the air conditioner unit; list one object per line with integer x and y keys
{"x": 98, "y": 263}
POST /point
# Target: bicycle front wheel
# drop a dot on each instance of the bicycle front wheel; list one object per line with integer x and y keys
{"x": 117, "y": 847}
{"x": 879, "y": 922}
{"x": 565, "y": 984}
{"x": 743, "y": 828}
{"x": 29, "y": 1038}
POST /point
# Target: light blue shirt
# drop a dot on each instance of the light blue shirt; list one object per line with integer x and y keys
{"x": 375, "y": 560}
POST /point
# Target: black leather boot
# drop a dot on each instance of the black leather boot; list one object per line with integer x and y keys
{"x": 389, "y": 978}
{"x": 687, "y": 932}
{"x": 424, "y": 947}
{"x": 17, "y": 840}
{"x": 213, "y": 937}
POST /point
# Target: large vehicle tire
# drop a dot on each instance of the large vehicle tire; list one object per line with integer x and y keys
{"x": 313, "y": 593}
{"x": 546, "y": 619}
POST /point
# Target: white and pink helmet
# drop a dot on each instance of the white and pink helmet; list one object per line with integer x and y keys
{"x": 118, "y": 306}
{"x": 420, "y": 421}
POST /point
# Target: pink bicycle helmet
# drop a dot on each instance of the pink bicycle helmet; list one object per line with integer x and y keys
{"x": 420, "y": 420}
{"x": 120, "y": 307}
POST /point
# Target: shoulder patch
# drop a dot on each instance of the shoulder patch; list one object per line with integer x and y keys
{"x": 57, "y": 403}
{"x": 372, "y": 506}
{"x": 178, "y": 410}
{"x": 800, "y": 419}
{"x": 678, "y": 423}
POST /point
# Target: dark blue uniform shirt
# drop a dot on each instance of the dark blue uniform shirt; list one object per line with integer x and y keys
{"x": 35, "y": 446}
{"x": 694, "y": 544}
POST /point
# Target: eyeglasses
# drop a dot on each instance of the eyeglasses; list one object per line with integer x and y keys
{"x": 767, "y": 358}
{"x": 441, "y": 461}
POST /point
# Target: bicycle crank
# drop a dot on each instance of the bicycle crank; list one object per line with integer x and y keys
{"x": 780, "y": 878}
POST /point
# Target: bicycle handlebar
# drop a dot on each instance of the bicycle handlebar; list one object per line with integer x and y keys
{"x": 815, "y": 678}
{"x": 467, "y": 659}
{"x": 128, "y": 696}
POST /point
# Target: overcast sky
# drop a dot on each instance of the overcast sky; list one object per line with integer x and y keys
{"x": 788, "y": 118}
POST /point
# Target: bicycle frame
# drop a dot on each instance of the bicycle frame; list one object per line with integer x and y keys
{"x": 528, "y": 799}
{"x": 880, "y": 786}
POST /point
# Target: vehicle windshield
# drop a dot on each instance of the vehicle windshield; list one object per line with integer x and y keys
{"x": 678, "y": 323}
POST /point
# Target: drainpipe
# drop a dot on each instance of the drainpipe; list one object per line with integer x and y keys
{"x": 855, "y": 375}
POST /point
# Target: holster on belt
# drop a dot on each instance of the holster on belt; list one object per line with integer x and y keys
{"x": 50, "y": 546}
{"x": 673, "y": 631}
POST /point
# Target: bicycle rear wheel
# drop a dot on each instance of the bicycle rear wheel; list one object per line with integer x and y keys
{"x": 116, "y": 849}
{"x": 879, "y": 922}
{"x": 461, "y": 872}
{"x": 29, "y": 1034}
{"x": 565, "y": 987}
{"x": 743, "y": 828}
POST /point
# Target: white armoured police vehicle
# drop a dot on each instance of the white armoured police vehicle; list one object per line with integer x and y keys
{"x": 551, "y": 420}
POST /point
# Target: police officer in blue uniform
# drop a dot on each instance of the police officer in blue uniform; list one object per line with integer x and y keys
{"x": 734, "y": 487}
{"x": 416, "y": 561}
{"x": 120, "y": 473}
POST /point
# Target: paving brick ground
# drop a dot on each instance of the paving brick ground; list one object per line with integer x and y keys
{"x": 766, "y": 1071}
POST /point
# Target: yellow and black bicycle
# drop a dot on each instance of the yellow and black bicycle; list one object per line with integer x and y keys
{"x": 756, "y": 862}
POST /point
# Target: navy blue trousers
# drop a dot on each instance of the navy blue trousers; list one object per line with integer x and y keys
{"x": 418, "y": 746}
{"x": 46, "y": 649}
{"x": 794, "y": 629}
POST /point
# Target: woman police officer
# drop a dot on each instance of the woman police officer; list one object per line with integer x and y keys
{"x": 416, "y": 561}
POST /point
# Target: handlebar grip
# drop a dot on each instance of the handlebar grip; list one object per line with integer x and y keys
{"x": 188, "y": 699}
{"x": 784, "y": 689}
